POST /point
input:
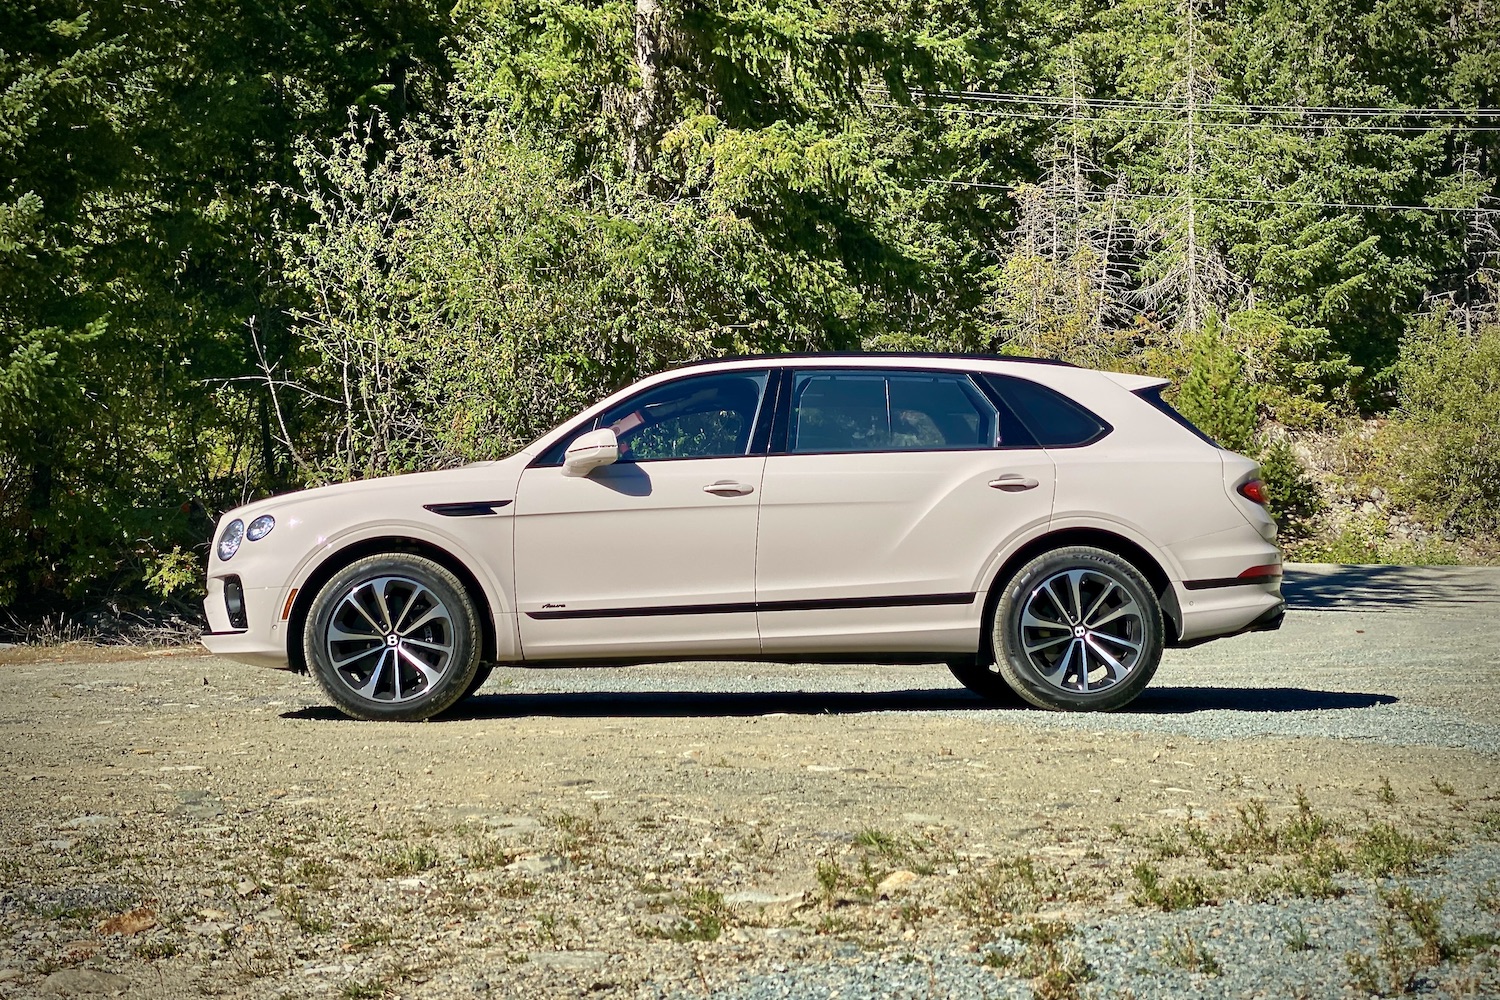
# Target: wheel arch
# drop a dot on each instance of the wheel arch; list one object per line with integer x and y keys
{"x": 1132, "y": 552}
{"x": 337, "y": 560}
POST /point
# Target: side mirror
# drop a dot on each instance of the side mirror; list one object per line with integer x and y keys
{"x": 589, "y": 451}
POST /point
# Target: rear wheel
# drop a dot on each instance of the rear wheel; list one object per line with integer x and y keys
{"x": 393, "y": 637}
{"x": 1078, "y": 629}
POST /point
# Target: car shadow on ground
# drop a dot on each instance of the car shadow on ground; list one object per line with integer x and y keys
{"x": 1387, "y": 588}
{"x": 692, "y": 704}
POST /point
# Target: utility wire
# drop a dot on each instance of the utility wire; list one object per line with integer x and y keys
{"x": 1198, "y": 123}
{"x": 998, "y": 97}
{"x": 1281, "y": 202}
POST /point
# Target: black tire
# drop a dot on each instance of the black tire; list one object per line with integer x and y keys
{"x": 393, "y": 637}
{"x": 1078, "y": 629}
{"x": 983, "y": 678}
{"x": 480, "y": 676}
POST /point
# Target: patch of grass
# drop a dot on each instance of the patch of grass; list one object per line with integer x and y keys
{"x": 1057, "y": 970}
{"x": 290, "y": 902}
{"x": 514, "y": 888}
{"x": 1164, "y": 844}
{"x": 830, "y": 878}
{"x": 156, "y": 948}
{"x": 1383, "y": 851}
{"x": 987, "y": 898}
{"x": 408, "y": 860}
{"x": 1297, "y": 938}
{"x": 486, "y": 854}
{"x": 1181, "y": 951}
{"x": 1174, "y": 894}
{"x": 316, "y": 874}
{"x": 1410, "y": 940}
{"x": 1385, "y": 794}
{"x": 703, "y": 918}
{"x": 1310, "y": 876}
{"x": 577, "y": 833}
{"x": 1442, "y": 787}
{"x": 1488, "y": 896}
{"x": 366, "y": 935}
{"x": 365, "y": 989}
{"x": 1488, "y": 826}
{"x": 881, "y": 843}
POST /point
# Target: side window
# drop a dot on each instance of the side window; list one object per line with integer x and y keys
{"x": 843, "y": 411}
{"x": 1054, "y": 420}
{"x": 702, "y": 416}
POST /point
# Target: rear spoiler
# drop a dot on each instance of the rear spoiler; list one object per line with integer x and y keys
{"x": 1136, "y": 383}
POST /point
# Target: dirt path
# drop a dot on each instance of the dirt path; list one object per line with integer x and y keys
{"x": 177, "y": 825}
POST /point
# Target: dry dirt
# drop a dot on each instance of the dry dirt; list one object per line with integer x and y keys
{"x": 177, "y": 825}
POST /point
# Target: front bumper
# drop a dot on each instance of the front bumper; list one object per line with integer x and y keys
{"x": 263, "y": 643}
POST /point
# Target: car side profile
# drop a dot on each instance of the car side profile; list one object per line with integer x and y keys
{"x": 1044, "y": 530}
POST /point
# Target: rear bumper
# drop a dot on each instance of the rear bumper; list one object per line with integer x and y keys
{"x": 1219, "y": 612}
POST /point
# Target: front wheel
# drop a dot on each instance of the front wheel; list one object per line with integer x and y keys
{"x": 393, "y": 637}
{"x": 1078, "y": 629}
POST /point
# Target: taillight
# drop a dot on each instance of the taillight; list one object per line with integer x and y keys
{"x": 1259, "y": 574}
{"x": 1253, "y": 490}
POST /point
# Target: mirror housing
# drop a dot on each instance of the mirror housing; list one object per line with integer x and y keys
{"x": 590, "y": 451}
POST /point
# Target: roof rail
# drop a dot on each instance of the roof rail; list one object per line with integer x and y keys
{"x": 915, "y": 355}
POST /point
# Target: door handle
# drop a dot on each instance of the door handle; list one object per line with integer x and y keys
{"x": 1013, "y": 483}
{"x": 726, "y": 488}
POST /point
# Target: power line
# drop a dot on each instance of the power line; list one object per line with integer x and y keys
{"x": 1280, "y": 202}
{"x": 1199, "y": 122}
{"x": 994, "y": 97}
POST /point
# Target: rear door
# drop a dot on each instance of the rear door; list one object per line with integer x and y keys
{"x": 886, "y": 493}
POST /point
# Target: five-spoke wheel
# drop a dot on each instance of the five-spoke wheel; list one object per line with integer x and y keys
{"x": 1077, "y": 628}
{"x": 393, "y": 636}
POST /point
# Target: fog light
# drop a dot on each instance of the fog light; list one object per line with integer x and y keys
{"x": 234, "y": 602}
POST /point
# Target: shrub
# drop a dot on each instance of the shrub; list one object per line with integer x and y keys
{"x": 1442, "y": 450}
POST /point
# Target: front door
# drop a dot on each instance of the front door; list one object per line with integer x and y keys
{"x": 660, "y": 545}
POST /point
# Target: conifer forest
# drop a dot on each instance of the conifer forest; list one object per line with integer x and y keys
{"x": 251, "y": 246}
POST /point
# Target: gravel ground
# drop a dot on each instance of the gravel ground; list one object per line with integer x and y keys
{"x": 173, "y": 825}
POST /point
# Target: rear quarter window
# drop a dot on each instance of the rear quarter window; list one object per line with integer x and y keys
{"x": 1054, "y": 420}
{"x": 1153, "y": 396}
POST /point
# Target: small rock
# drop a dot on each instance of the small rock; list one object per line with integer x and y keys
{"x": 68, "y": 982}
{"x": 92, "y": 821}
{"x": 895, "y": 882}
{"x": 512, "y": 826}
{"x": 754, "y": 897}
{"x": 579, "y": 960}
{"x": 543, "y": 865}
{"x": 130, "y": 922}
{"x": 6, "y": 975}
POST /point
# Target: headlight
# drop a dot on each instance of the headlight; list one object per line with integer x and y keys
{"x": 260, "y": 527}
{"x": 229, "y": 541}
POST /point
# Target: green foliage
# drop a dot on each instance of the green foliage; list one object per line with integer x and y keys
{"x": 140, "y": 153}
{"x": 1215, "y": 395}
{"x": 434, "y": 264}
{"x": 1292, "y": 498}
{"x": 1443, "y": 447}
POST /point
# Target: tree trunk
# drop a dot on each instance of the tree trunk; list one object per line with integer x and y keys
{"x": 645, "y": 123}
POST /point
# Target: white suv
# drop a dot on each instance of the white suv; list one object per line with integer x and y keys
{"x": 1040, "y": 528}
